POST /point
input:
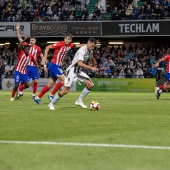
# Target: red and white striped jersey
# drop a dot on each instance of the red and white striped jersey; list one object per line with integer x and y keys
{"x": 23, "y": 61}
{"x": 35, "y": 51}
{"x": 61, "y": 50}
{"x": 167, "y": 59}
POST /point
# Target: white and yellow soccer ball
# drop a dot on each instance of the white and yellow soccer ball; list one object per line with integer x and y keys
{"x": 94, "y": 105}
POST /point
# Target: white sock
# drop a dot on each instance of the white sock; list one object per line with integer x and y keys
{"x": 84, "y": 93}
{"x": 160, "y": 91}
{"x": 56, "y": 98}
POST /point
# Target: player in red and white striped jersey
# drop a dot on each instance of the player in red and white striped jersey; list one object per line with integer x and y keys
{"x": 32, "y": 71}
{"x": 167, "y": 75}
{"x": 61, "y": 48}
{"x": 20, "y": 73}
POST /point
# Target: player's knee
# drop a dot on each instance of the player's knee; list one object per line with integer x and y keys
{"x": 27, "y": 85}
{"x": 90, "y": 85}
{"x": 16, "y": 86}
{"x": 66, "y": 91}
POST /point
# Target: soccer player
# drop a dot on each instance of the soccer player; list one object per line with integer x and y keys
{"x": 32, "y": 70}
{"x": 167, "y": 75}
{"x": 75, "y": 73}
{"x": 61, "y": 48}
{"x": 20, "y": 73}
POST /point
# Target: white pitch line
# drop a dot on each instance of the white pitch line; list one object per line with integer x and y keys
{"x": 86, "y": 144}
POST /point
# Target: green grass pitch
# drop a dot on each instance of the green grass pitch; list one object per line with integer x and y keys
{"x": 131, "y": 131}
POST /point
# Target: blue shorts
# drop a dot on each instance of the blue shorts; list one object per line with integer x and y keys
{"x": 32, "y": 72}
{"x": 55, "y": 70}
{"x": 19, "y": 77}
{"x": 167, "y": 75}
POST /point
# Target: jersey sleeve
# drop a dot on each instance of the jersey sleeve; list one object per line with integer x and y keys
{"x": 72, "y": 45}
{"x": 20, "y": 53}
{"x": 81, "y": 54}
{"x": 56, "y": 45}
{"x": 38, "y": 49}
{"x": 167, "y": 57}
{"x": 25, "y": 43}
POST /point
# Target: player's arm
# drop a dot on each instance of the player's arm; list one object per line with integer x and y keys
{"x": 79, "y": 45}
{"x": 47, "y": 48}
{"x": 159, "y": 61}
{"x": 18, "y": 32}
{"x": 21, "y": 43}
{"x": 92, "y": 61}
{"x": 81, "y": 64}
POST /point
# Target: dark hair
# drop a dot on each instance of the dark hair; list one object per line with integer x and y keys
{"x": 33, "y": 37}
{"x": 93, "y": 40}
{"x": 25, "y": 46}
{"x": 69, "y": 35}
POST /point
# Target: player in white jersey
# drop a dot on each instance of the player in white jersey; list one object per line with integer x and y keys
{"x": 75, "y": 73}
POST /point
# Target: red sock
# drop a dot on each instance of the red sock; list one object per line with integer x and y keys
{"x": 13, "y": 93}
{"x": 43, "y": 91}
{"x": 35, "y": 87}
{"x": 161, "y": 87}
{"x": 57, "y": 87}
{"x": 21, "y": 87}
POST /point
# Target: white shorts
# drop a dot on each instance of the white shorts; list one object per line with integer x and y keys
{"x": 73, "y": 78}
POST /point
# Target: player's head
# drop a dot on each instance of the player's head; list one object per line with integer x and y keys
{"x": 91, "y": 43}
{"x": 26, "y": 49}
{"x": 32, "y": 41}
{"x": 68, "y": 38}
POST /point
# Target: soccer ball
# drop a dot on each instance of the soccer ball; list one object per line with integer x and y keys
{"x": 94, "y": 105}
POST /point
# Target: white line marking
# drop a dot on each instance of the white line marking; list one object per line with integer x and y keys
{"x": 86, "y": 144}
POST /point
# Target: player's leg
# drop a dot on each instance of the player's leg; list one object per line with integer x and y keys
{"x": 55, "y": 89}
{"x": 58, "y": 96}
{"x": 57, "y": 72}
{"x": 85, "y": 79}
{"x": 35, "y": 85}
{"x": 24, "y": 84}
{"x": 164, "y": 84}
{"x": 35, "y": 77}
{"x": 67, "y": 84}
{"x": 45, "y": 89}
{"x": 17, "y": 79}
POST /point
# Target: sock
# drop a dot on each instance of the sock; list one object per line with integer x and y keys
{"x": 35, "y": 87}
{"x": 13, "y": 93}
{"x": 56, "y": 98}
{"x": 57, "y": 87}
{"x": 161, "y": 87}
{"x": 84, "y": 93}
{"x": 160, "y": 91}
{"x": 43, "y": 91}
{"x": 21, "y": 87}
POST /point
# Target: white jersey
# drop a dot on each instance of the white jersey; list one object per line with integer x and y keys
{"x": 74, "y": 72}
{"x": 82, "y": 54}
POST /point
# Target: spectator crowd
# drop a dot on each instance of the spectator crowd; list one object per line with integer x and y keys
{"x": 150, "y": 9}
{"x": 72, "y": 10}
{"x": 45, "y": 10}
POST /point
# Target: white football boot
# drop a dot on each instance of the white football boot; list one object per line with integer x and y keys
{"x": 80, "y": 103}
{"x": 12, "y": 99}
{"x": 51, "y": 106}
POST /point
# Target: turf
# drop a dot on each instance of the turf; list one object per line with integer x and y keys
{"x": 124, "y": 118}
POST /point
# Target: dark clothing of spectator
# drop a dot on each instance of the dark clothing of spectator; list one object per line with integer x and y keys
{"x": 25, "y": 15}
{"x": 65, "y": 15}
{"x": 96, "y": 14}
{"x": 85, "y": 14}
